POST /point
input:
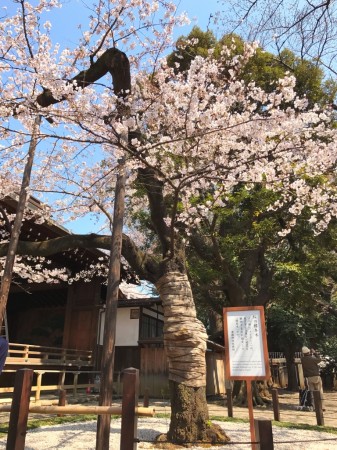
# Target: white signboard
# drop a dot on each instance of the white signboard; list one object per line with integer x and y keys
{"x": 245, "y": 341}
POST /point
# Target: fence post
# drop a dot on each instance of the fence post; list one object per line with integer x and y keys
{"x": 318, "y": 407}
{"x": 129, "y": 403}
{"x": 19, "y": 411}
{"x": 146, "y": 398}
{"x": 263, "y": 434}
{"x": 229, "y": 402}
{"x": 276, "y": 405}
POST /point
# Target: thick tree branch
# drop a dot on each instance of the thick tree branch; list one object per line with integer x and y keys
{"x": 144, "y": 265}
{"x": 250, "y": 262}
{"x": 212, "y": 254}
{"x": 154, "y": 190}
{"x": 266, "y": 278}
{"x": 112, "y": 60}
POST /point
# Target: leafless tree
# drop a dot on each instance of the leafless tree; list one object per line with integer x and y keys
{"x": 308, "y": 28}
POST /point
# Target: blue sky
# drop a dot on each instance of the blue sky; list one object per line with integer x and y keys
{"x": 74, "y": 11}
{"x": 198, "y": 10}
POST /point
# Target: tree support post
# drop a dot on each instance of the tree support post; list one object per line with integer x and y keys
{"x": 108, "y": 354}
{"x": 6, "y": 279}
{"x": 19, "y": 411}
{"x": 129, "y": 404}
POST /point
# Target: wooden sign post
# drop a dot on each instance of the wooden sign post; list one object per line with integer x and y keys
{"x": 246, "y": 355}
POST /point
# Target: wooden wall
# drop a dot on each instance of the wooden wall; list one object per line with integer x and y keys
{"x": 80, "y": 330}
{"x": 215, "y": 376}
{"x": 154, "y": 372}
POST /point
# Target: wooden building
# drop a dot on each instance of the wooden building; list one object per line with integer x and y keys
{"x": 70, "y": 316}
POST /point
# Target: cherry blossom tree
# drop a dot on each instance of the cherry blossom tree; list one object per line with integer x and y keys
{"x": 191, "y": 135}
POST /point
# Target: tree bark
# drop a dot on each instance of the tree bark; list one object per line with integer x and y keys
{"x": 112, "y": 60}
{"x": 184, "y": 335}
{"x": 189, "y": 417}
{"x": 185, "y": 344}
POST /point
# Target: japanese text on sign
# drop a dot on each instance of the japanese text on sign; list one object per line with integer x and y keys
{"x": 245, "y": 344}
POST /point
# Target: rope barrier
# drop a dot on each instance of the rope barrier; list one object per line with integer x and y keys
{"x": 307, "y": 441}
{"x": 204, "y": 442}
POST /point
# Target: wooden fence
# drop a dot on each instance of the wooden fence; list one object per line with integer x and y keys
{"x": 20, "y": 409}
{"x": 38, "y": 386}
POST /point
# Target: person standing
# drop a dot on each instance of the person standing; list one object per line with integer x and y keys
{"x": 310, "y": 361}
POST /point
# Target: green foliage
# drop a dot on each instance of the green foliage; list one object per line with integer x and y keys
{"x": 264, "y": 68}
{"x": 197, "y": 43}
{"x": 239, "y": 256}
{"x": 287, "y": 328}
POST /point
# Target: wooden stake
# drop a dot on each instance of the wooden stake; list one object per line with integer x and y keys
{"x": 276, "y": 405}
{"x": 251, "y": 414}
{"x": 229, "y": 402}
{"x": 129, "y": 403}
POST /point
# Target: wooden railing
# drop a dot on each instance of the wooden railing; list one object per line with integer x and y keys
{"x": 73, "y": 385}
{"x": 37, "y": 355}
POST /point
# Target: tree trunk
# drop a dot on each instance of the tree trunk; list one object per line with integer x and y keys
{"x": 185, "y": 343}
{"x": 291, "y": 369}
{"x": 189, "y": 417}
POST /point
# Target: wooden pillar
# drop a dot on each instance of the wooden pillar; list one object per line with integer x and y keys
{"x": 75, "y": 384}
{"x": 19, "y": 411}
{"x": 276, "y": 405}
{"x": 129, "y": 404}
{"x": 38, "y": 384}
{"x": 264, "y": 434}
{"x": 62, "y": 377}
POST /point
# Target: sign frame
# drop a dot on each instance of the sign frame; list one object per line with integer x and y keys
{"x": 244, "y": 311}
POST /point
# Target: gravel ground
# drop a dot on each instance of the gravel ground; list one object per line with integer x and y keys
{"x": 83, "y": 435}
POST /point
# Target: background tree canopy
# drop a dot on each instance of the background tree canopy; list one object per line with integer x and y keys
{"x": 240, "y": 257}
